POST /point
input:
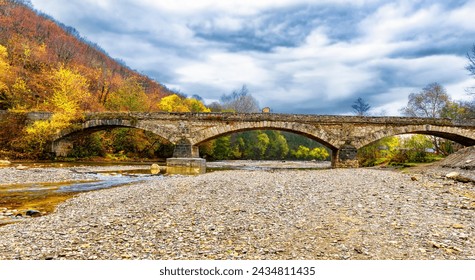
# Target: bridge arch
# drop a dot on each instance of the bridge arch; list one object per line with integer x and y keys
{"x": 61, "y": 143}
{"x": 309, "y": 131}
{"x": 459, "y": 135}
{"x": 92, "y": 126}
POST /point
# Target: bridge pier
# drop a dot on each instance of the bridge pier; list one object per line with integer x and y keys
{"x": 186, "y": 159}
{"x": 61, "y": 148}
{"x": 345, "y": 157}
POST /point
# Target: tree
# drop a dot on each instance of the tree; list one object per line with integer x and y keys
{"x": 261, "y": 146}
{"x": 417, "y": 147}
{"x": 5, "y": 99}
{"x": 278, "y": 148}
{"x": 70, "y": 91}
{"x": 302, "y": 152}
{"x": 428, "y": 103}
{"x": 459, "y": 110}
{"x": 222, "y": 147}
{"x": 240, "y": 101}
{"x": 360, "y": 107}
{"x": 471, "y": 65}
{"x": 176, "y": 103}
{"x": 130, "y": 96}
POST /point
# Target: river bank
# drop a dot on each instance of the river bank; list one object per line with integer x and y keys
{"x": 259, "y": 214}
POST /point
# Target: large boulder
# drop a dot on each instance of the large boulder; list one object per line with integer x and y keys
{"x": 463, "y": 159}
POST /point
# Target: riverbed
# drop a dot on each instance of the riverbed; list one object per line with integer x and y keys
{"x": 258, "y": 214}
{"x": 35, "y": 189}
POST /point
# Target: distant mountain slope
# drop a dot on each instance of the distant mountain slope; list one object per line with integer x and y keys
{"x": 33, "y": 46}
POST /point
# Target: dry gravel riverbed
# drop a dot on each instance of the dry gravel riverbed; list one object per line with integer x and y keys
{"x": 255, "y": 214}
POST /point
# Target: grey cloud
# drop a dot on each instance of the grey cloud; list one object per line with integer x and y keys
{"x": 297, "y": 76}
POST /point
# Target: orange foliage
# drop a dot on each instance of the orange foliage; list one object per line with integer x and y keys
{"x": 37, "y": 46}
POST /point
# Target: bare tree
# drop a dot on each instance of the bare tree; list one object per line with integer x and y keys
{"x": 361, "y": 107}
{"x": 240, "y": 101}
{"x": 471, "y": 61}
{"x": 428, "y": 103}
{"x": 471, "y": 66}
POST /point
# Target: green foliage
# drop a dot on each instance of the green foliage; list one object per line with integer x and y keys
{"x": 301, "y": 153}
{"x": 459, "y": 110}
{"x": 263, "y": 144}
{"x": 222, "y": 147}
{"x": 319, "y": 154}
{"x": 90, "y": 146}
{"x": 396, "y": 150}
{"x": 121, "y": 144}
{"x": 379, "y": 152}
{"x": 278, "y": 147}
{"x": 305, "y": 153}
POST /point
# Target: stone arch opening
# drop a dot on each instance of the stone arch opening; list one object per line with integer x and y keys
{"x": 409, "y": 149}
{"x": 460, "y": 139}
{"x": 66, "y": 140}
{"x": 272, "y": 151}
{"x": 306, "y": 134}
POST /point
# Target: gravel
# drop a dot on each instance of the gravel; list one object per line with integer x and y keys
{"x": 254, "y": 214}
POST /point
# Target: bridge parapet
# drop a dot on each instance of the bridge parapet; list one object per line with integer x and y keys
{"x": 394, "y": 120}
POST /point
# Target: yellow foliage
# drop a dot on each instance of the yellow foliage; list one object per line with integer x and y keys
{"x": 19, "y": 93}
{"x": 70, "y": 90}
{"x": 130, "y": 96}
{"x": 3, "y": 57}
{"x": 175, "y": 103}
{"x": 319, "y": 153}
{"x": 196, "y": 105}
{"x": 4, "y": 67}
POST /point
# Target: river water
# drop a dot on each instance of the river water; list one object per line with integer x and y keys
{"x": 21, "y": 200}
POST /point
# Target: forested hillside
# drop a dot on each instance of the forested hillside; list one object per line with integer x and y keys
{"x": 47, "y": 66}
{"x": 37, "y": 53}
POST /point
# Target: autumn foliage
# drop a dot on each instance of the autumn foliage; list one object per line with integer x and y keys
{"x": 46, "y": 66}
{"x": 35, "y": 49}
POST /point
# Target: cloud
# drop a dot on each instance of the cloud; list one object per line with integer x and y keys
{"x": 296, "y": 56}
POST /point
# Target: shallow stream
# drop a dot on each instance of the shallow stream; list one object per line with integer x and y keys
{"x": 23, "y": 200}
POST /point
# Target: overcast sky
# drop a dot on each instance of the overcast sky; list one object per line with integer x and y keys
{"x": 295, "y": 56}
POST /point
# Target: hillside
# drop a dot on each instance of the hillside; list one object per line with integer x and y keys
{"x": 34, "y": 48}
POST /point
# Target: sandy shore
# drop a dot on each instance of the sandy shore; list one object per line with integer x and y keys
{"x": 277, "y": 214}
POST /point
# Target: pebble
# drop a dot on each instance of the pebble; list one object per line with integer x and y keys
{"x": 254, "y": 214}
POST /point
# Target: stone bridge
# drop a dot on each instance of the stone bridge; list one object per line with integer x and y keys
{"x": 344, "y": 135}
